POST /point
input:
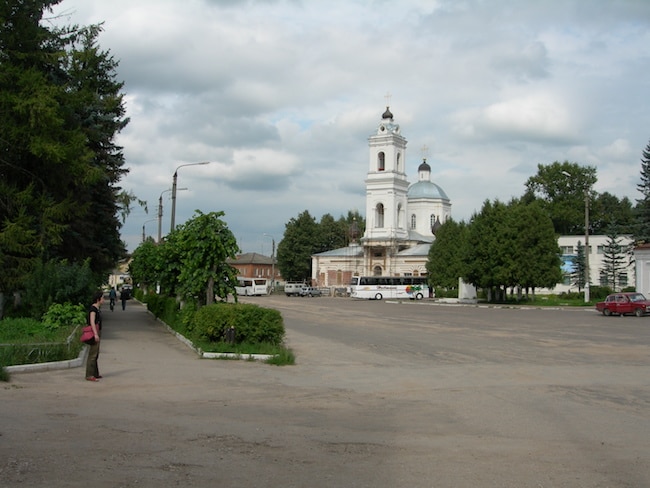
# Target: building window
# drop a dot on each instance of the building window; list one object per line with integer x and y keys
{"x": 376, "y": 271}
{"x": 566, "y": 250}
{"x": 381, "y": 161}
{"x": 399, "y": 162}
{"x": 413, "y": 221}
{"x": 416, "y": 272}
{"x": 379, "y": 218}
{"x": 432, "y": 220}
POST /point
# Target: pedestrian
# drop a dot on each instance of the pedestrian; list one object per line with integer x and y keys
{"x": 124, "y": 296}
{"x": 94, "y": 319}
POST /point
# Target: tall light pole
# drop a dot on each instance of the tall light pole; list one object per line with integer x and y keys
{"x": 160, "y": 211}
{"x": 272, "y": 262}
{"x": 143, "y": 235}
{"x": 172, "y": 226}
{"x": 587, "y": 288}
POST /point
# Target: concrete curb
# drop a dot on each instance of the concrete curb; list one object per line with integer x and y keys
{"x": 55, "y": 365}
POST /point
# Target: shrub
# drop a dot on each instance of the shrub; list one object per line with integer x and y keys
{"x": 63, "y": 315}
{"x": 252, "y": 324}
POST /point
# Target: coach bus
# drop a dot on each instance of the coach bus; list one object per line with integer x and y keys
{"x": 251, "y": 286}
{"x": 380, "y": 287}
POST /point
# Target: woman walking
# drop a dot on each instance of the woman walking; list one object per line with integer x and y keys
{"x": 94, "y": 319}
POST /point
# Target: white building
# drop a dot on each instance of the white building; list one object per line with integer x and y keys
{"x": 597, "y": 244}
{"x": 400, "y": 217}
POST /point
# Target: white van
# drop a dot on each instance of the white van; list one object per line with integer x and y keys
{"x": 292, "y": 288}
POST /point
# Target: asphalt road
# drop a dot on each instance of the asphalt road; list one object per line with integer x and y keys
{"x": 383, "y": 395}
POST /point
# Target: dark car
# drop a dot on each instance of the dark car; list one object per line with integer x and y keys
{"x": 624, "y": 303}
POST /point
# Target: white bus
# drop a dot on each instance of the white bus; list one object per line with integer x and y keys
{"x": 379, "y": 287}
{"x": 251, "y": 286}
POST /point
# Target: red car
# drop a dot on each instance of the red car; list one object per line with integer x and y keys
{"x": 624, "y": 303}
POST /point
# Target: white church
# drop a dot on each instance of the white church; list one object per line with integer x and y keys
{"x": 401, "y": 218}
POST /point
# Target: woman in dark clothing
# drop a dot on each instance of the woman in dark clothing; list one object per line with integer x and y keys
{"x": 94, "y": 319}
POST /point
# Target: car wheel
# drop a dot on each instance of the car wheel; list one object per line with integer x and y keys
{"x": 607, "y": 312}
{"x": 378, "y": 296}
{"x": 638, "y": 312}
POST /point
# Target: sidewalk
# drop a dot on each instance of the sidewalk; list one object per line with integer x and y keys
{"x": 123, "y": 331}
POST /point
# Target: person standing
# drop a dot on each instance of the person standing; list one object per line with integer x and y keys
{"x": 94, "y": 319}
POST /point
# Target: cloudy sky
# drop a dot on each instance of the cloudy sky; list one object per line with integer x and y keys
{"x": 281, "y": 97}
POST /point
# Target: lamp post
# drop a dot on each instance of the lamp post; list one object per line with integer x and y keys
{"x": 160, "y": 211}
{"x": 272, "y": 262}
{"x": 587, "y": 288}
{"x": 172, "y": 226}
{"x": 143, "y": 235}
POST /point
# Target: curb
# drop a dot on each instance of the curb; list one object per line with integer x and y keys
{"x": 52, "y": 366}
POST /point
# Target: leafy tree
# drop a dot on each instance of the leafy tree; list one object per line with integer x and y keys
{"x": 536, "y": 254}
{"x": 332, "y": 234}
{"x": 300, "y": 241}
{"x": 145, "y": 266}
{"x": 204, "y": 243}
{"x": 446, "y": 264}
{"x": 561, "y": 189}
{"x": 614, "y": 262}
{"x": 607, "y": 211}
{"x": 642, "y": 210}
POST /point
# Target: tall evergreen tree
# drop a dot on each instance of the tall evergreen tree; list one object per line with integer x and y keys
{"x": 615, "y": 262}
{"x": 642, "y": 228}
{"x": 446, "y": 256}
{"x": 578, "y": 274}
{"x": 59, "y": 166}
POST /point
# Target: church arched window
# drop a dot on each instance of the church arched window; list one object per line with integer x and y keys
{"x": 432, "y": 220}
{"x": 379, "y": 217}
{"x": 413, "y": 221}
{"x": 376, "y": 271}
{"x": 399, "y": 162}
{"x": 381, "y": 161}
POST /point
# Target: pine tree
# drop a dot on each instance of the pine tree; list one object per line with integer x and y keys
{"x": 578, "y": 274}
{"x": 642, "y": 231}
{"x": 614, "y": 262}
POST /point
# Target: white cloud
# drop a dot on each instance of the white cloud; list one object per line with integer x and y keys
{"x": 282, "y": 96}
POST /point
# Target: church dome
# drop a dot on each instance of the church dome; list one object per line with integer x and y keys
{"x": 426, "y": 189}
{"x": 424, "y": 167}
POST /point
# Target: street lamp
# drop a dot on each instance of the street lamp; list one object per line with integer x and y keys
{"x": 172, "y": 226}
{"x": 160, "y": 211}
{"x": 587, "y": 294}
{"x": 143, "y": 236}
{"x": 272, "y": 262}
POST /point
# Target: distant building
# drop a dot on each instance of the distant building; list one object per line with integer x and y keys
{"x": 401, "y": 218}
{"x": 254, "y": 265}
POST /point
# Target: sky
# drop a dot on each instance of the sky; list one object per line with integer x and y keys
{"x": 281, "y": 96}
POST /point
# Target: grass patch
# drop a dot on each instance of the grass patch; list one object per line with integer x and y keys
{"x": 282, "y": 356}
{"x": 29, "y": 341}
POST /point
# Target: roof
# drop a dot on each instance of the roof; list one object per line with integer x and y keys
{"x": 419, "y": 250}
{"x": 250, "y": 258}
{"x": 426, "y": 189}
{"x": 351, "y": 251}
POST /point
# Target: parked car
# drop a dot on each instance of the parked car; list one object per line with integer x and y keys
{"x": 624, "y": 303}
{"x": 309, "y": 291}
{"x": 292, "y": 288}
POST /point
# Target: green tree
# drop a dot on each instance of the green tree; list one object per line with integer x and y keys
{"x": 535, "y": 252}
{"x": 299, "y": 242}
{"x": 579, "y": 266}
{"x": 642, "y": 209}
{"x": 615, "y": 262}
{"x": 204, "y": 244}
{"x": 561, "y": 188}
{"x": 446, "y": 264}
{"x": 145, "y": 265}
{"x": 59, "y": 166}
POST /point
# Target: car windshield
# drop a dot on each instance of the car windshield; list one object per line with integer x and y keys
{"x": 637, "y": 297}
